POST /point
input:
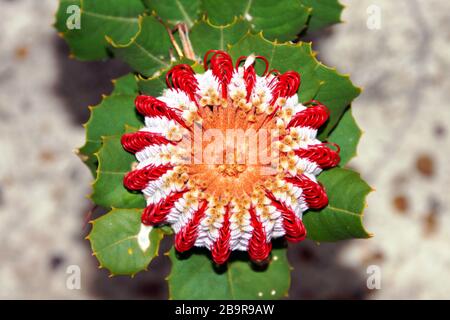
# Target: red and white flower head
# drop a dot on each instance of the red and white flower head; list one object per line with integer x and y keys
{"x": 215, "y": 197}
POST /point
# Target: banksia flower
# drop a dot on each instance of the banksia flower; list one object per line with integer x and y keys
{"x": 229, "y": 158}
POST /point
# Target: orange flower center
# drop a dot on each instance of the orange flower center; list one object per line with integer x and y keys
{"x": 236, "y": 147}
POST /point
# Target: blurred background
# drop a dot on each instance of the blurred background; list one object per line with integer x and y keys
{"x": 404, "y": 112}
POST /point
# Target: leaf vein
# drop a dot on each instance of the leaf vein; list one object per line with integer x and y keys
{"x": 184, "y": 13}
{"x": 221, "y": 38}
{"x": 108, "y": 17}
{"x": 247, "y": 8}
{"x": 161, "y": 62}
{"x": 115, "y": 243}
{"x": 344, "y": 211}
{"x": 230, "y": 281}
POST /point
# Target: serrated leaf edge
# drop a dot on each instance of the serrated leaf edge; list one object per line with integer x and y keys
{"x": 365, "y": 205}
{"x": 361, "y": 133}
{"x": 90, "y": 119}
{"x": 112, "y": 274}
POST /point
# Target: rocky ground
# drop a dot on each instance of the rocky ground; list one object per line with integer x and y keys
{"x": 403, "y": 154}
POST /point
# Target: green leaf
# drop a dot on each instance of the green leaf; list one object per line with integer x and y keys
{"x": 318, "y": 81}
{"x": 336, "y": 92}
{"x": 196, "y": 277}
{"x": 342, "y": 218}
{"x": 148, "y": 49}
{"x": 346, "y": 134}
{"x": 115, "y": 18}
{"x": 113, "y": 163}
{"x": 152, "y": 86}
{"x": 206, "y": 36}
{"x": 324, "y": 13}
{"x": 281, "y": 20}
{"x": 119, "y": 244}
{"x": 175, "y": 11}
{"x": 110, "y": 117}
{"x": 125, "y": 85}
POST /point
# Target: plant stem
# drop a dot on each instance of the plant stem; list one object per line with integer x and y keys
{"x": 185, "y": 41}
